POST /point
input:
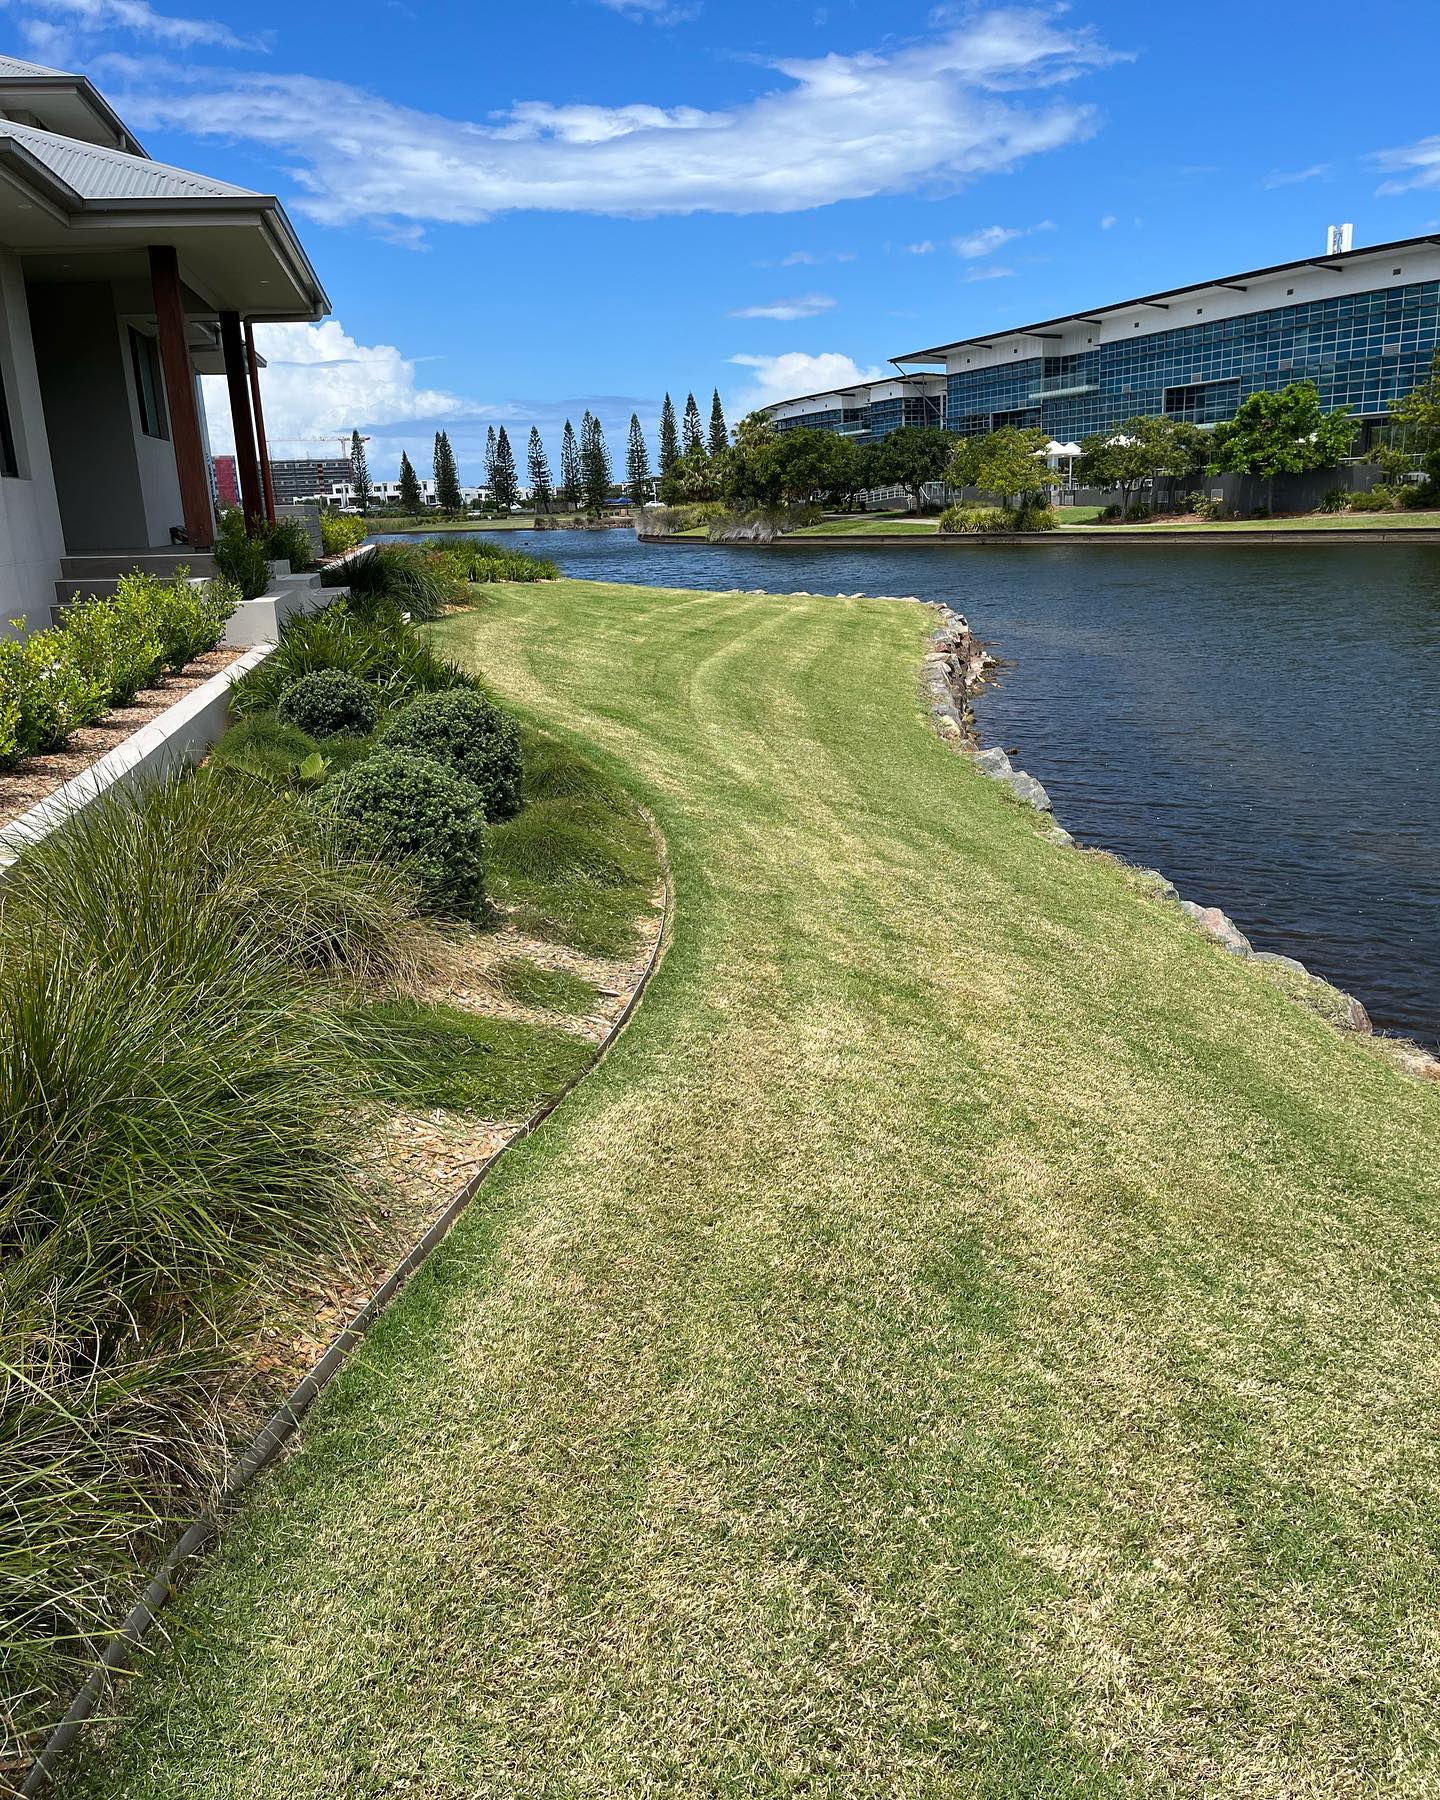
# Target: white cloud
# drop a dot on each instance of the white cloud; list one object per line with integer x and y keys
{"x": 803, "y": 306}
{"x": 657, "y": 12}
{"x": 1292, "y": 177}
{"x": 1109, "y": 222}
{"x": 126, "y": 15}
{"x": 1414, "y": 165}
{"x": 836, "y": 127}
{"x": 784, "y": 377}
{"x": 982, "y": 242}
{"x": 989, "y": 238}
{"x": 993, "y": 273}
{"x": 320, "y": 381}
{"x": 808, "y": 259}
{"x": 924, "y": 248}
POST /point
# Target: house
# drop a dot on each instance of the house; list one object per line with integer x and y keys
{"x": 122, "y": 280}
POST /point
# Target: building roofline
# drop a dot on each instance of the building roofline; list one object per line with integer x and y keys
{"x": 853, "y": 387}
{"x": 58, "y": 81}
{"x": 1164, "y": 294}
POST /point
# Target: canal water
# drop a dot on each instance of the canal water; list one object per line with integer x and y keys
{"x": 1263, "y": 725}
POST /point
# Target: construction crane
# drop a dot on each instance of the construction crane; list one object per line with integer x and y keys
{"x": 344, "y": 438}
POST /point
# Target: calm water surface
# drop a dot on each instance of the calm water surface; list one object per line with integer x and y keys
{"x": 1263, "y": 725}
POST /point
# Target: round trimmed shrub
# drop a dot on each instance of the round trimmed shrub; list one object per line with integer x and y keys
{"x": 405, "y": 805}
{"x": 328, "y": 702}
{"x": 470, "y": 735}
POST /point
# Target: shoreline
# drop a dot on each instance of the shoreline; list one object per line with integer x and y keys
{"x": 957, "y": 668}
{"x": 1066, "y": 534}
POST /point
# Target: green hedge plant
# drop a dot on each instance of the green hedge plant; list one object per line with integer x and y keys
{"x": 385, "y": 652}
{"x": 408, "y": 807}
{"x": 470, "y": 735}
{"x": 971, "y": 520}
{"x": 330, "y": 703}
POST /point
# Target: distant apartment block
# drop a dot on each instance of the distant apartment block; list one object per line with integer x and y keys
{"x": 1361, "y": 324}
{"x": 307, "y": 478}
{"x": 227, "y": 482}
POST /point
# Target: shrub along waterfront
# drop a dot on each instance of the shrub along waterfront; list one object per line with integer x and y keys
{"x": 184, "y": 1101}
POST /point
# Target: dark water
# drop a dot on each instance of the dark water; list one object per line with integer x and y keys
{"x": 1262, "y": 725}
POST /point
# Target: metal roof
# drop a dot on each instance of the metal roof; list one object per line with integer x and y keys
{"x": 95, "y": 173}
{"x": 12, "y": 66}
{"x": 71, "y": 100}
{"x": 1085, "y": 314}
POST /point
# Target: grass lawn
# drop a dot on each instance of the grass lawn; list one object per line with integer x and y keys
{"x": 972, "y": 1337}
{"x": 868, "y": 525}
{"x": 1383, "y": 521}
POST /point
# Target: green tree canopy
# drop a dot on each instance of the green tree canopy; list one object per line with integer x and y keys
{"x": 1415, "y": 426}
{"x": 594, "y": 466}
{"x": 669, "y": 437}
{"x": 1008, "y": 463}
{"x": 691, "y": 434}
{"x": 1285, "y": 433}
{"x": 1143, "y": 449}
{"x": 410, "y": 499}
{"x": 637, "y": 462}
{"x": 505, "y": 480}
{"x": 447, "y": 476}
{"x": 542, "y": 487}
{"x": 570, "y": 478}
{"x": 360, "y": 471}
{"x": 719, "y": 434}
{"x": 910, "y": 458}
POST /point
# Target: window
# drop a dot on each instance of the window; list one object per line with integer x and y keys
{"x": 149, "y": 389}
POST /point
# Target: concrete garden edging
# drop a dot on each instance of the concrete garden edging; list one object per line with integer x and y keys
{"x": 285, "y": 1421}
{"x": 180, "y": 736}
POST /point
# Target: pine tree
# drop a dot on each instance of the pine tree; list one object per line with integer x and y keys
{"x": 719, "y": 435}
{"x": 669, "y": 438}
{"x": 410, "y": 501}
{"x": 447, "y": 476}
{"x": 504, "y": 481}
{"x": 490, "y": 461}
{"x": 693, "y": 436}
{"x": 594, "y": 466}
{"x": 569, "y": 467}
{"x": 637, "y": 463}
{"x": 542, "y": 488}
{"x": 360, "y": 470}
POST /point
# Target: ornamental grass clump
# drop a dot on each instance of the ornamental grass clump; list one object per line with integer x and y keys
{"x": 400, "y": 578}
{"x": 470, "y": 735}
{"x": 329, "y": 703}
{"x": 404, "y": 806}
{"x": 386, "y": 653}
{"x": 478, "y": 559}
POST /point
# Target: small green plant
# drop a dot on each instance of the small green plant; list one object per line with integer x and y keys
{"x": 399, "y": 579}
{"x": 385, "y": 652}
{"x": 426, "y": 1056}
{"x": 115, "y": 643}
{"x": 242, "y": 559}
{"x": 477, "y": 559}
{"x": 261, "y": 746}
{"x": 45, "y": 697}
{"x": 970, "y": 519}
{"x": 1419, "y": 496}
{"x": 1379, "y": 499}
{"x": 409, "y": 807}
{"x": 329, "y": 703}
{"x": 469, "y": 734}
{"x": 340, "y": 532}
{"x": 1042, "y": 518}
{"x": 1205, "y": 506}
{"x": 1334, "y": 500}
{"x": 544, "y": 990}
{"x": 289, "y": 541}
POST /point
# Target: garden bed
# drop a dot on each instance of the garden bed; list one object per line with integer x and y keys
{"x": 38, "y": 777}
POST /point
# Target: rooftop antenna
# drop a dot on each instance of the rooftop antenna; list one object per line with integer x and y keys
{"x": 1338, "y": 239}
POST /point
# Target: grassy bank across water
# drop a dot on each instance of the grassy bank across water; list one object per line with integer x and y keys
{"x": 971, "y": 1337}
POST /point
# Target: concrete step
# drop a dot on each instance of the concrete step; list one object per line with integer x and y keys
{"x": 97, "y": 565}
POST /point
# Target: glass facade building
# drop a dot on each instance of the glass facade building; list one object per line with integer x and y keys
{"x": 1362, "y": 325}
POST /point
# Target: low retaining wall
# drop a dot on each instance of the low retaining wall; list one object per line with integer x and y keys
{"x": 180, "y": 736}
{"x": 1269, "y": 536}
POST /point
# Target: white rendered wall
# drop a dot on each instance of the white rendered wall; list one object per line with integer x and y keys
{"x": 31, "y": 543}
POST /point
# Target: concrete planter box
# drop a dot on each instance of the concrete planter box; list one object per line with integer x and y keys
{"x": 180, "y": 737}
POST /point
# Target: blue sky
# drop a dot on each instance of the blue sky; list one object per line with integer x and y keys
{"x": 519, "y": 212}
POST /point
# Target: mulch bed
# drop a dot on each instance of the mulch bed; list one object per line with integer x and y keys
{"x": 38, "y": 777}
